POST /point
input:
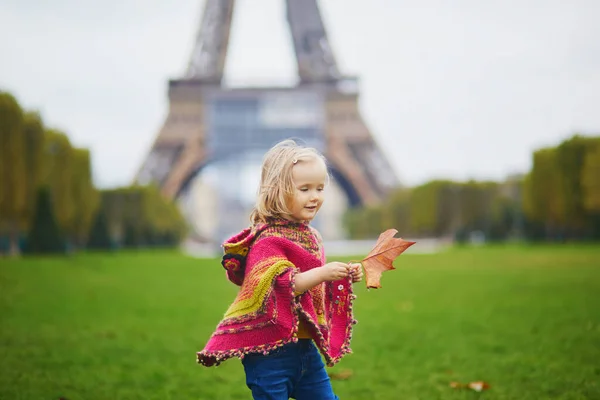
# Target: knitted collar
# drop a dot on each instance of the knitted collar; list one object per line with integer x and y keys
{"x": 280, "y": 221}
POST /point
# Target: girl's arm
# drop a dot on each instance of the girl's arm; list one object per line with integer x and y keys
{"x": 332, "y": 271}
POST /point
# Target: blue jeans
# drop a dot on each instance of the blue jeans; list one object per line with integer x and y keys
{"x": 294, "y": 370}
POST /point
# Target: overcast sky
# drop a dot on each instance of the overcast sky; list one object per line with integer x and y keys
{"x": 451, "y": 89}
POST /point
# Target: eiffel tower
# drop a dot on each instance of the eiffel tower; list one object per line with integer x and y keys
{"x": 208, "y": 123}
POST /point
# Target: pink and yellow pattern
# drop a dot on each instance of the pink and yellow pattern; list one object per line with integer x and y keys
{"x": 265, "y": 313}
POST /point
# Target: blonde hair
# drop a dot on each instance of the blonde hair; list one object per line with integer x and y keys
{"x": 276, "y": 183}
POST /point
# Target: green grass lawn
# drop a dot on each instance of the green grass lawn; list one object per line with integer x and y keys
{"x": 128, "y": 325}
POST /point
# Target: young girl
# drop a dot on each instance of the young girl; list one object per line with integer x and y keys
{"x": 291, "y": 304}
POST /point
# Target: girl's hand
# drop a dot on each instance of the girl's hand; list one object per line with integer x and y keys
{"x": 356, "y": 272}
{"x": 334, "y": 271}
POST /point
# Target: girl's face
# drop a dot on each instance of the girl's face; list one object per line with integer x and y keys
{"x": 309, "y": 178}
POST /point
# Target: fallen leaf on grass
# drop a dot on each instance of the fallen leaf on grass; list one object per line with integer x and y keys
{"x": 340, "y": 376}
{"x": 478, "y": 386}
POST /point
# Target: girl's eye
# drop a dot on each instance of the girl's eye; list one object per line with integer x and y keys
{"x": 304, "y": 190}
{"x": 320, "y": 189}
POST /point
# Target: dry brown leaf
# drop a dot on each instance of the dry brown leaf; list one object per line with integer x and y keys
{"x": 382, "y": 256}
{"x": 478, "y": 386}
{"x": 341, "y": 376}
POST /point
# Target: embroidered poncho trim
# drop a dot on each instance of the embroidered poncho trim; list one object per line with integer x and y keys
{"x": 263, "y": 260}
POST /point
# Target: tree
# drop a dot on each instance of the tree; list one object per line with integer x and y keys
{"x": 85, "y": 197}
{"x": 45, "y": 235}
{"x": 508, "y": 219}
{"x": 13, "y": 202}
{"x": 590, "y": 181}
{"x": 396, "y": 211}
{"x": 99, "y": 237}
{"x": 570, "y": 156}
{"x": 131, "y": 237}
{"x": 544, "y": 197}
{"x": 449, "y": 217}
{"x": 163, "y": 217}
{"x": 33, "y": 136}
{"x": 423, "y": 205}
{"x": 140, "y": 216}
{"x": 31, "y": 157}
{"x": 364, "y": 223}
{"x": 590, "y": 184}
{"x": 58, "y": 176}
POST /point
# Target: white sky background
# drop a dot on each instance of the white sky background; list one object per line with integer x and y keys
{"x": 451, "y": 89}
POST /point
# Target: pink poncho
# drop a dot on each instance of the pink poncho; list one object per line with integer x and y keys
{"x": 263, "y": 260}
